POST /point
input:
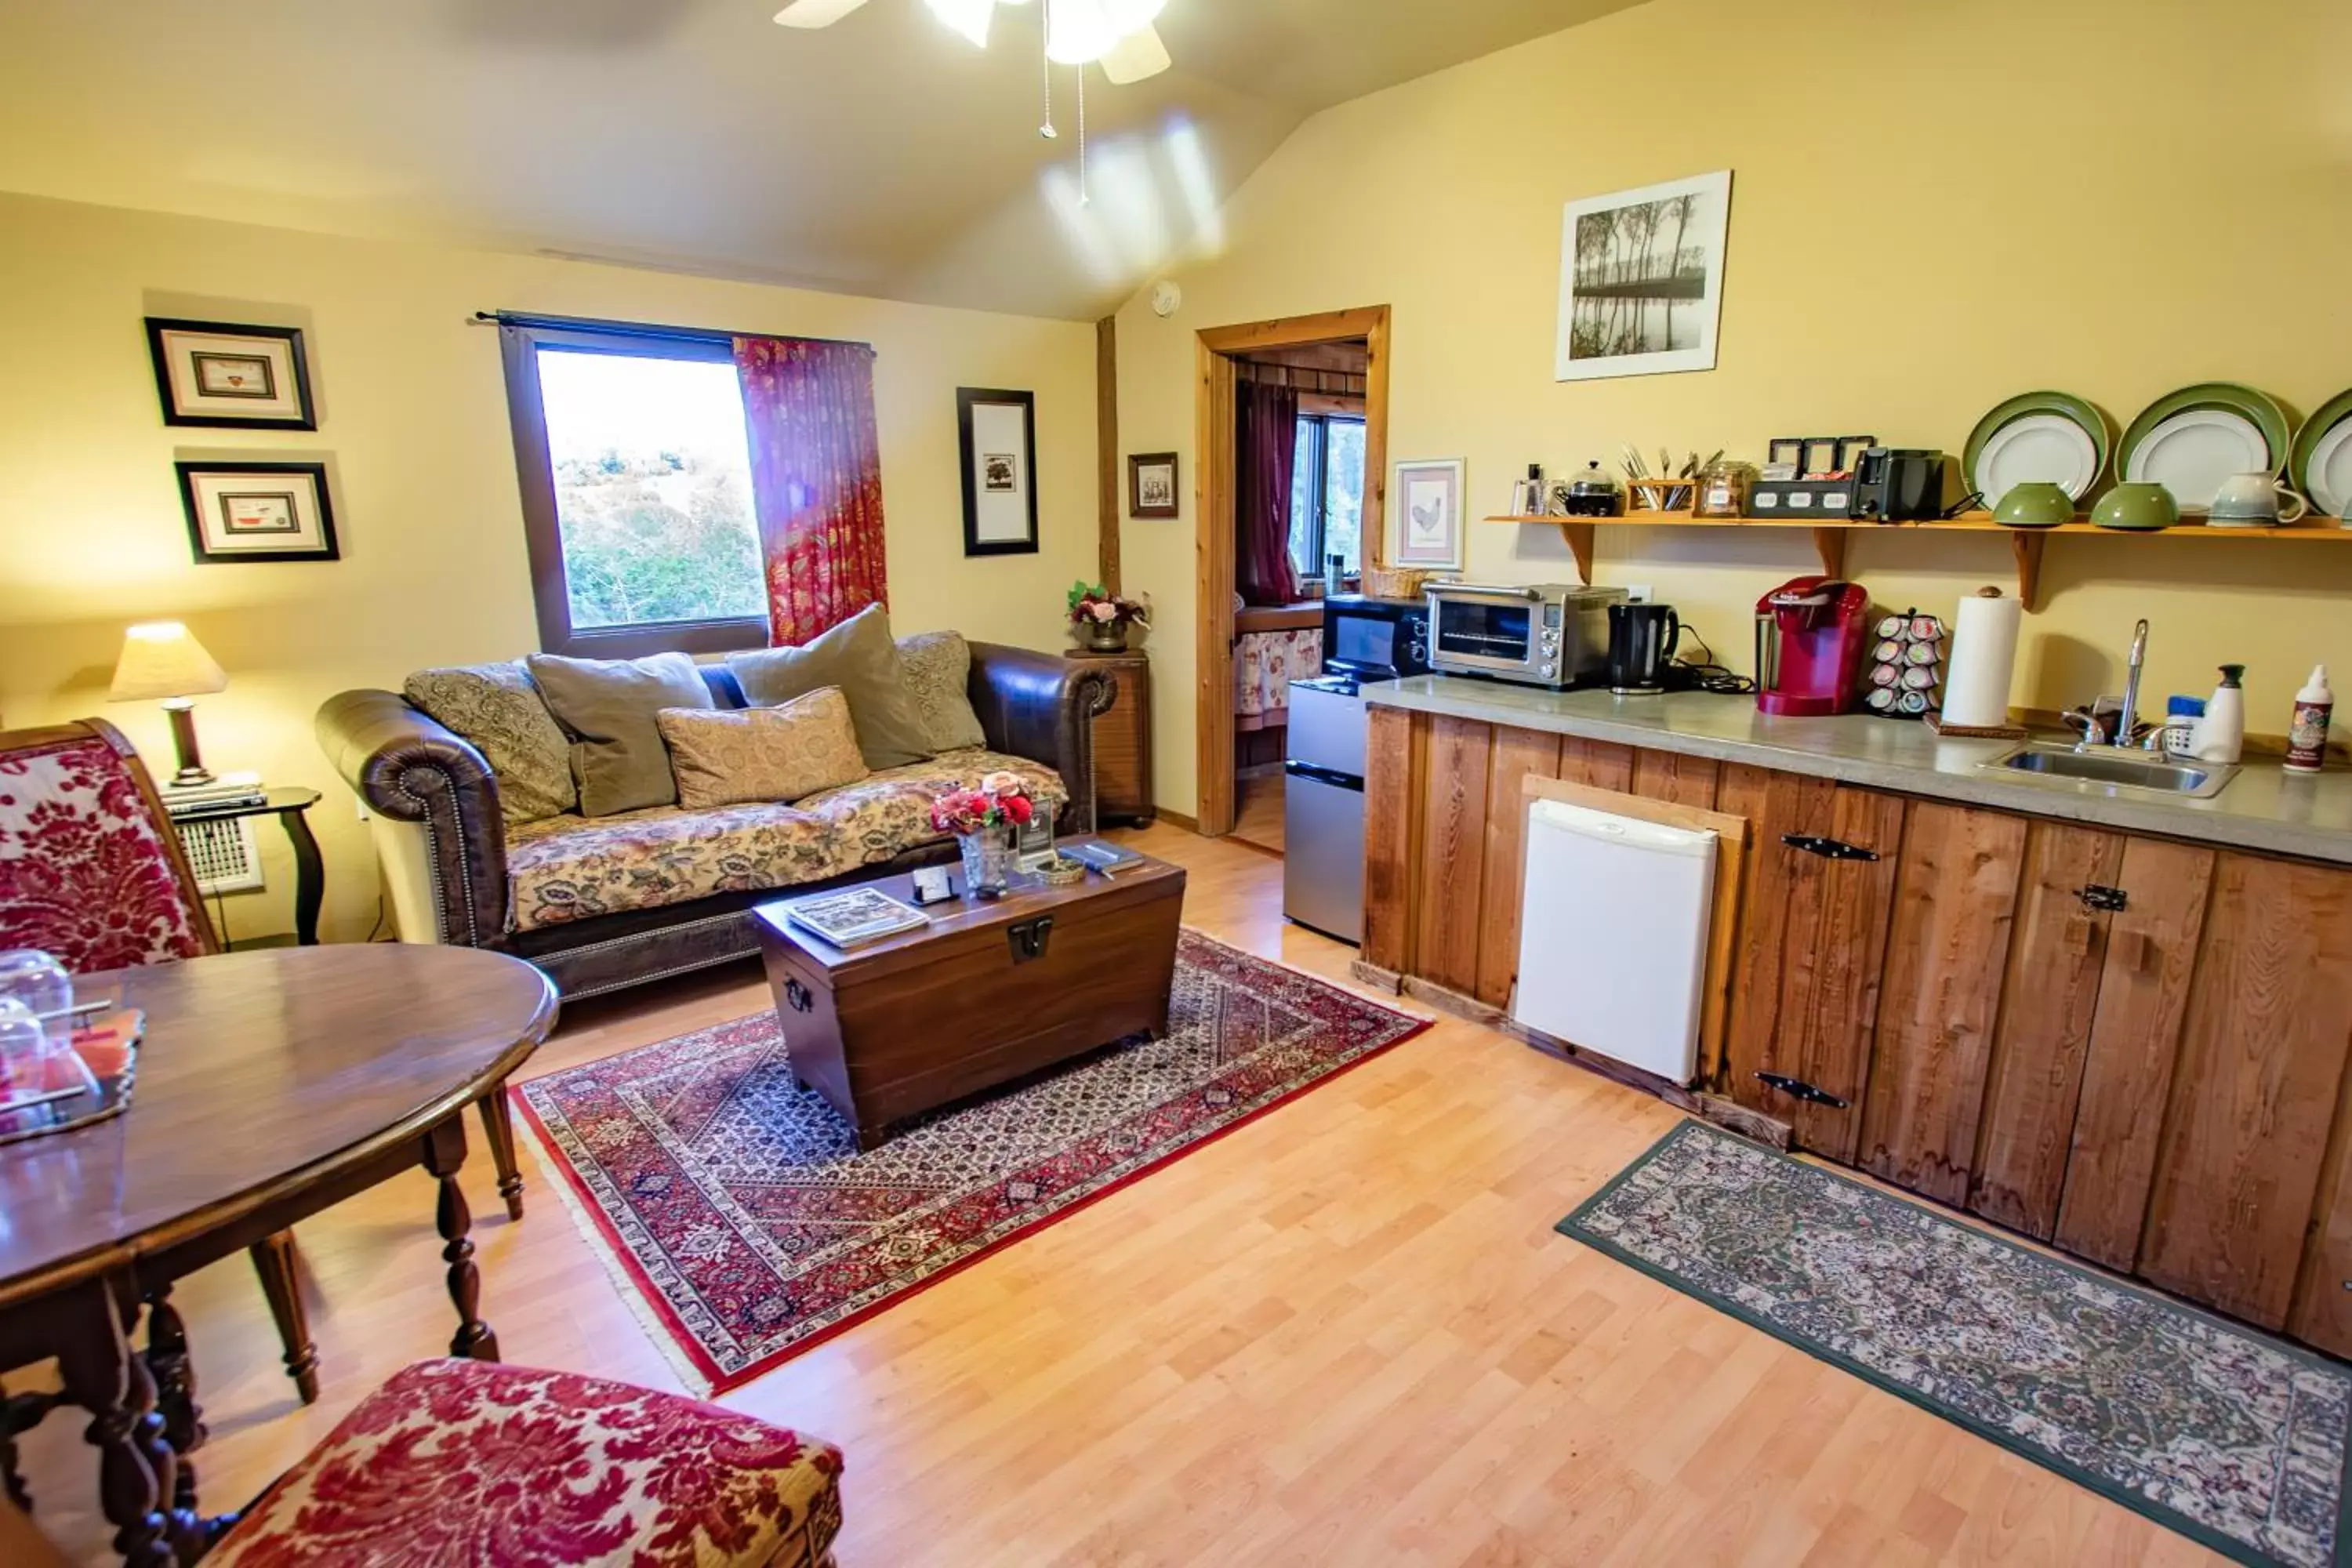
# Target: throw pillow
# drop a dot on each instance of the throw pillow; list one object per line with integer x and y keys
{"x": 938, "y": 678}
{"x": 498, "y": 709}
{"x": 609, "y": 705}
{"x": 858, "y": 656}
{"x": 723, "y": 758}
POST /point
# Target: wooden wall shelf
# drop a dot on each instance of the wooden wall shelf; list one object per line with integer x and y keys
{"x": 1831, "y": 536}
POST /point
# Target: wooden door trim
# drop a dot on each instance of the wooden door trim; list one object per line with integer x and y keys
{"x": 1213, "y": 514}
{"x": 1107, "y": 463}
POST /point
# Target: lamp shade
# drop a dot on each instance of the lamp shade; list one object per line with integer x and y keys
{"x": 161, "y": 659}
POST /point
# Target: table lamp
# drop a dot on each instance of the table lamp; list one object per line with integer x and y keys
{"x": 161, "y": 659}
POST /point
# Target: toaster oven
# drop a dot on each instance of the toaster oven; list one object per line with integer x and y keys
{"x": 1547, "y": 635}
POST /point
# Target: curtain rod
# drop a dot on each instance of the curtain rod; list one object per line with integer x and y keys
{"x": 644, "y": 329}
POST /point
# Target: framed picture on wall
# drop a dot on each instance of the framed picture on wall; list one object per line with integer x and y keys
{"x": 221, "y": 376}
{"x": 1151, "y": 485}
{"x": 1641, "y": 280}
{"x": 998, "y": 431}
{"x": 259, "y": 511}
{"x": 1427, "y": 506}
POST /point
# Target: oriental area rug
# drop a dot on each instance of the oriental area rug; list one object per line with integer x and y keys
{"x": 2228, "y": 1435}
{"x": 737, "y": 1211}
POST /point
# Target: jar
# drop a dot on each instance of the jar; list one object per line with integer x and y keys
{"x": 1723, "y": 489}
{"x": 42, "y": 984}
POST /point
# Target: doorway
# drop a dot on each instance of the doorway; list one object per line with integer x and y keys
{"x": 1311, "y": 470}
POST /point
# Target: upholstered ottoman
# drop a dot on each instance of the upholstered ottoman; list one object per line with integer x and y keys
{"x": 487, "y": 1465}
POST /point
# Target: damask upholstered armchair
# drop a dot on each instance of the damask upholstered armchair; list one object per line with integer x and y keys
{"x": 91, "y": 873}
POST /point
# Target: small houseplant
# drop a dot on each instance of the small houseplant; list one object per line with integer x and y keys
{"x": 985, "y": 822}
{"x": 1101, "y": 617}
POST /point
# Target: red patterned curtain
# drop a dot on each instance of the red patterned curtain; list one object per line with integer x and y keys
{"x": 1269, "y": 441}
{"x": 817, "y": 480}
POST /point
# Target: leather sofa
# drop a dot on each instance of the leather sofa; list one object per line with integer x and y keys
{"x": 449, "y": 867}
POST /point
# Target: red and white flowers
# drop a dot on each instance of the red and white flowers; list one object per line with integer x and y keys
{"x": 1002, "y": 800}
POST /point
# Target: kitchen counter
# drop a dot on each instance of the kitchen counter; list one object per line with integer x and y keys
{"x": 2263, "y": 808}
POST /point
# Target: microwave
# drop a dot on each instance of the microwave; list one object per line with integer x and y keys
{"x": 1375, "y": 640}
{"x": 1547, "y": 635}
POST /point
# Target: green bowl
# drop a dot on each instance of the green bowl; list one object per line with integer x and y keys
{"x": 2137, "y": 508}
{"x": 2036, "y": 504}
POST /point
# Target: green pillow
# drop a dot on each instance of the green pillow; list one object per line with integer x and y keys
{"x": 858, "y": 656}
{"x": 608, "y": 706}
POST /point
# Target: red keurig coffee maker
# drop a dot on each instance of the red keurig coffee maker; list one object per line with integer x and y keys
{"x": 1810, "y": 634}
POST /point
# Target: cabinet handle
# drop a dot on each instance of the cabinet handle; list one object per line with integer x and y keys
{"x": 797, "y": 996}
{"x": 1798, "y": 1089}
{"x": 1027, "y": 939}
{"x": 1827, "y": 848}
{"x": 2114, "y": 901}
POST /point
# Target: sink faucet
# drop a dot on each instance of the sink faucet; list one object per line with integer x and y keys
{"x": 2128, "y": 723}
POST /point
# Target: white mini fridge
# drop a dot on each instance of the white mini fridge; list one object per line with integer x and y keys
{"x": 1612, "y": 935}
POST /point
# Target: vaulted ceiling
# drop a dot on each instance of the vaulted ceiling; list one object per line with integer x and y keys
{"x": 883, "y": 155}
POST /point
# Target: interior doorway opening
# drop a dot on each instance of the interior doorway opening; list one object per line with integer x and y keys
{"x": 1292, "y": 418}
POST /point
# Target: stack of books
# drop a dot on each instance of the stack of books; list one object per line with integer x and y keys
{"x": 1109, "y": 859}
{"x": 854, "y": 918}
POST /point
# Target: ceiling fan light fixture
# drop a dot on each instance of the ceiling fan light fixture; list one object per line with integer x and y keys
{"x": 969, "y": 17}
{"x": 1078, "y": 32}
{"x": 1126, "y": 16}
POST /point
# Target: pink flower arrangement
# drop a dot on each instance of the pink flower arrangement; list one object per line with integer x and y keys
{"x": 1001, "y": 799}
{"x": 1092, "y": 605}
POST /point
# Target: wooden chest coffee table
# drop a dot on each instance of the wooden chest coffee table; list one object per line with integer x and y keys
{"x": 987, "y": 993}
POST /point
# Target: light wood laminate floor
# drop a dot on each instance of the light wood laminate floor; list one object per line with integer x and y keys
{"x": 1257, "y": 810}
{"x": 1346, "y": 1334}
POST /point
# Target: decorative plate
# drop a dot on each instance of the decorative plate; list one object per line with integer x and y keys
{"x": 2321, "y": 458}
{"x": 2028, "y": 438}
{"x": 2244, "y": 425}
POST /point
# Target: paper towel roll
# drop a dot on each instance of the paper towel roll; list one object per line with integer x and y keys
{"x": 1984, "y": 655}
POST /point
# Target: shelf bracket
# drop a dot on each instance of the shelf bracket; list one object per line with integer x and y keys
{"x": 1829, "y": 543}
{"x": 2028, "y": 545}
{"x": 1580, "y": 543}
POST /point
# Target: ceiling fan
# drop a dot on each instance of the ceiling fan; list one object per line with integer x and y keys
{"x": 1116, "y": 34}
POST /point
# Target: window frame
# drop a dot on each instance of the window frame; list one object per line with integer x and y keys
{"x": 1321, "y": 419}
{"x": 542, "y": 529}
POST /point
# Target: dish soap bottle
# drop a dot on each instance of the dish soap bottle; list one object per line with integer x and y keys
{"x": 2221, "y": 736}
{"x": 2307, "y": 739}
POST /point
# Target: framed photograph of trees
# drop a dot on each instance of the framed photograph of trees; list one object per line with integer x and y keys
{"x": 1641, "y": 280}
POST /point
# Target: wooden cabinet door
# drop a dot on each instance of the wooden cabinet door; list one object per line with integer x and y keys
{"x": 2260, "y": 1074}
{"x": 1812, "y": 937}
{"x": 2126, "y": 1075}
{"x": 2048, "y": 1002}
{"x": 1955, "y": 899}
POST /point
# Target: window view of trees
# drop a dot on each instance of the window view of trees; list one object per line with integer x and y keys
{"x": 1327, "y": 493}
{"x": 652, "y": 489}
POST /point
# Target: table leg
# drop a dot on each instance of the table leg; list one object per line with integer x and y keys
{"x": 135, "y": 1466}
{"x": 444, "y": 1154}
{"x": 309, "y": 877}
{"x": 175, "y": 1390}
{"x": 497, "y": 1126}
{"x": 13, "y": 1419}
{"x": 281, "y": 1285}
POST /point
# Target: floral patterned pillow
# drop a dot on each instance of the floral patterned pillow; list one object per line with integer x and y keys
{"x": 498, "y": 709}
{"x": 723, "y": 758}
{"x": 938, "y": 672}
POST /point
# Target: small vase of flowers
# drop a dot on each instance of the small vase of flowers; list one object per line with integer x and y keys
{"x": 1101, "y": 617}
{"x": 985, "y": 822}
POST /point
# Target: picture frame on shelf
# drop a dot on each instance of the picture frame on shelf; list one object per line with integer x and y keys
{"x": 1428, "y": 514}
{"x": 1151, "y": 486}
{"x": 1641, "y": 280}
{"x": 259, "y": 511}
{"x": 222, "y": 375}
{"x": 997, "y": 432}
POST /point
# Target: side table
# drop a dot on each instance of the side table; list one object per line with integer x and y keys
{"x": 1123, "y": 739}
{"x": 291, "y": 807}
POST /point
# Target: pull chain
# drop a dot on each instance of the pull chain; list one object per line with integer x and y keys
{"x": 1046, "y": 129}
{"x": 1084, "y": 200}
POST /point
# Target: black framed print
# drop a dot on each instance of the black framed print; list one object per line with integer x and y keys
{"x": 221, "y": 376}
{"x": 1151, "y": 485}
{"x": 259, "y": 511}
{"x": 998, "y": 432}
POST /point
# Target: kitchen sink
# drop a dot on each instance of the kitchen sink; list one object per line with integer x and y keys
{"x": 2119, "y": 769}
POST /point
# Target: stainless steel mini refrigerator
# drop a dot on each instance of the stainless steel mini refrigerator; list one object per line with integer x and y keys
{"x": 1323, "y": 808}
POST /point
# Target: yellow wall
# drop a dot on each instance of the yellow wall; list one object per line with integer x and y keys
{"x": 1934, "y": 206}
{"x": 413, "y": 421}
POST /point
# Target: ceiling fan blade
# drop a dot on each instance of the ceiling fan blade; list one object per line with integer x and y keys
{"x": 1138, "y": 54}
{"x": 816, "y": 13}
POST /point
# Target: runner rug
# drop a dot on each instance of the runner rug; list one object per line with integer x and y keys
{"x": 738, "y": 1209}
{"x": 2233, "y": 1438}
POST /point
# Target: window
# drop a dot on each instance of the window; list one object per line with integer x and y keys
{"x": 637, "y": 487}
{"x": 1326, "y": 492}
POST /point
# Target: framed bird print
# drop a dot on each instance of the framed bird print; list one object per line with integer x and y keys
{"x": 222, "y": 376}
{"x": 1428, "y": 511}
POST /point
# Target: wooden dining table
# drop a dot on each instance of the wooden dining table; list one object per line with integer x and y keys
{"x": 270, "y": 1084}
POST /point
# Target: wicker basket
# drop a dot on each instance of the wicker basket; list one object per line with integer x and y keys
{"x": 1395, "y": 582}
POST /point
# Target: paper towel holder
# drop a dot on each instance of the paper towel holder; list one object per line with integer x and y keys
{"x": 1935, "y": 722}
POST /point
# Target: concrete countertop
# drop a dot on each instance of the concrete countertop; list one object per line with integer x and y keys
{"x": 2263, "y": 808}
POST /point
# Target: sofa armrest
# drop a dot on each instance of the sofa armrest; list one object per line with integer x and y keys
{"x": 1043, "y": 707}
{"x": 409, "y": 768}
